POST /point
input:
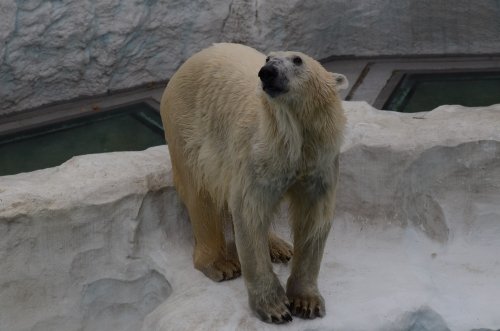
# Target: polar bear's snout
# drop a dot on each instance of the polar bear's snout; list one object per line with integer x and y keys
{"x": 268, "y": 73}
{"x": 273, "y": 83}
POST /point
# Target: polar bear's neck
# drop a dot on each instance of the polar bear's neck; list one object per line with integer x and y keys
{"x": 286, "y": 129}
{"x": 282, "y": 130}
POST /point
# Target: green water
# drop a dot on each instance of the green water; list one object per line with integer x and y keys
{"x": 130, "y": 129}
{"x": 424, "y": 92}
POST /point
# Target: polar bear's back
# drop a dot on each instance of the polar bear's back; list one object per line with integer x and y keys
{"x": 224, "y": 74}
{"x": 217, "y": 82}
{"x": 209, "y": 109}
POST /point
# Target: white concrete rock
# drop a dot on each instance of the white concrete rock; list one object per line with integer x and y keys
{"x": 101, "y": 242}
{"x": 57, "y": 50}
{"x": 71, "y": 238}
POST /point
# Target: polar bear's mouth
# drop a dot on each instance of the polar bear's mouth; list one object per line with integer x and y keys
{"x": 273, "y": 91}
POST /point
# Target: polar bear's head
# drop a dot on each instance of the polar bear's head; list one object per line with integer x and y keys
{"x": 294, "y": 74}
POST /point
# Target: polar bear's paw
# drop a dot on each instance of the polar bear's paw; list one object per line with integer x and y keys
{"x": 279, "y": 249}
{"x": 307, "y": 305}
{"x": 271, "y": 305}
{"x": 222, "y": 268}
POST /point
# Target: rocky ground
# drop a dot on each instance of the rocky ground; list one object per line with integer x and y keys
{"x": 101, "y": 242}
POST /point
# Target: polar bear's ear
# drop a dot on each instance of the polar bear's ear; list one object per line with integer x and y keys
{"x": 341, "y": 81}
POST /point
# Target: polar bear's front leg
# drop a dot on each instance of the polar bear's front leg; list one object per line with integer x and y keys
{"x": 251, "y": 218}
{"x": 312, "y": 206}
{"x": 302, "y": 287}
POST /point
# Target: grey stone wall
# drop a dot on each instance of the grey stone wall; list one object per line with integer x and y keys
{"x": 52, "y": 50}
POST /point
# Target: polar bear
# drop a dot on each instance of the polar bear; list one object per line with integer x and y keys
{"x": 244, "y": 132}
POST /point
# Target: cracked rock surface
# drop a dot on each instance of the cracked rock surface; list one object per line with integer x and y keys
{"x": 102, "y": 242}
{"x": 58, "y": 50}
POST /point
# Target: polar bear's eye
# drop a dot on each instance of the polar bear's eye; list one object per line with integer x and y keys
{"x": 297, "y": 60}
{"x": 267, "y": 59}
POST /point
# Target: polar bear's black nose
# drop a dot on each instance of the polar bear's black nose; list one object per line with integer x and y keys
{"x": 268, "y": 73}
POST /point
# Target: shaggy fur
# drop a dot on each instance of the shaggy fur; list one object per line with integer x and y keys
{"x": 237, "y": 151}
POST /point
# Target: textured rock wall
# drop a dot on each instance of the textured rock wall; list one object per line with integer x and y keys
{"x": 101, "y": 243}
{"x": 60, "y": 49}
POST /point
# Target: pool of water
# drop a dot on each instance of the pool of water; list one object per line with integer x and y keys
{"x": 130, "y": 128}
{"x": 425, "y": 91}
